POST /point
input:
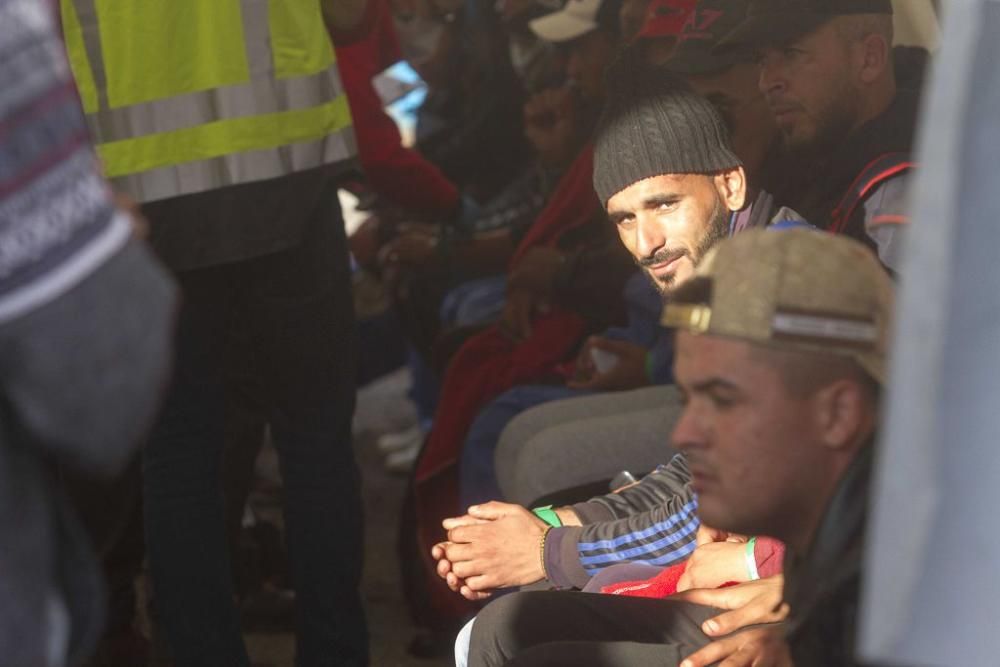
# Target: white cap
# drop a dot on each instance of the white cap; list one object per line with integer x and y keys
{"x": 575, "y": 19}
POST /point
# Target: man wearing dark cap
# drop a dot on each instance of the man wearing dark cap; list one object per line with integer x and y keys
{"x": 782, "y": 341}
{"x": 827, "y": 71}
{"x": 728, "y": 79}
{"x": 662, "y": 26}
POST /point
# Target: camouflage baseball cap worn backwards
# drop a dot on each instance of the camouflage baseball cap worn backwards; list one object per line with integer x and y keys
{"x": 797, "y": 289}
{"x": 779, "y": 22}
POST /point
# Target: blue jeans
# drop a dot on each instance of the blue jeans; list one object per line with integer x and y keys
{"x": 296, "y": 309}
{"x": 478, "y": 479}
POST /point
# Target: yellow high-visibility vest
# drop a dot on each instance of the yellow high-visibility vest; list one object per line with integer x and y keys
{"x": 184, "y": 96}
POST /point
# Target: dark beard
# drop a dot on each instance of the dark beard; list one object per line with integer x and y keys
{"x": 717, "y": 230}
{"x": 832, "y": 126}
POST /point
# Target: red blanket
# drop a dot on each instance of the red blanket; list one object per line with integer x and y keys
{"x": 394, "y": 171}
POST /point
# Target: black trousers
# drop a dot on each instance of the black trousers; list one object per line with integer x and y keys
{"x": 562, "y": 628}
{"x": 295, "y": 310}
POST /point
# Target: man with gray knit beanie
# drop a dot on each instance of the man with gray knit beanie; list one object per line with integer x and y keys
{"x": 670, "y": 182}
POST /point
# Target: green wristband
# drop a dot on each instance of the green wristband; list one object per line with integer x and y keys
{"x": 548, "y": 515}
{"x": 751, "y": 560}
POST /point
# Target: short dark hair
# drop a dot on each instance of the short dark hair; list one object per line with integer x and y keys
{"x": 805, "y": 372}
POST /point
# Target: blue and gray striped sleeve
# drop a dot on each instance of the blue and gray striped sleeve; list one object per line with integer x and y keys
{"x": 662, "y": 536}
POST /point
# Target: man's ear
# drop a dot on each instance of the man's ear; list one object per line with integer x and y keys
{"x": 844, "y": 413}
{"x": 732, "y": 187}
{"x": 875, "y": 58}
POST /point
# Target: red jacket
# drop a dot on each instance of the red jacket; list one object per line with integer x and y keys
{"x": 394, "y": 171}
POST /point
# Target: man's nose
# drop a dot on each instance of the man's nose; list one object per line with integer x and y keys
{"x": 687, "y": 433}
{"x": 772, "y": 78}
{"x": 650, "y": 237}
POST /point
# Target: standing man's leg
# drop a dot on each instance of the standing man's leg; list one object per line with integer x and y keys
{"x": 301, "y": 311}
{"x": 185, "y": 530}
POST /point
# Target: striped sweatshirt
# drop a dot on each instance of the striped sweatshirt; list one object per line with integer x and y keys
{"x": 653, "y": 522}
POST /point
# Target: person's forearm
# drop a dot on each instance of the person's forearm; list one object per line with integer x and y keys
{"x": 661, "y": 537}
{"x": 343, "y": 14}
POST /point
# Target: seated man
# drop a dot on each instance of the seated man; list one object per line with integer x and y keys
{"x": 670, "y": 205}
{"x": 781, "y": 352}
{"x": 828, "y": 72}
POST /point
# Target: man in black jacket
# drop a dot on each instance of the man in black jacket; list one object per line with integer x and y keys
{"x": 828, "y": 73}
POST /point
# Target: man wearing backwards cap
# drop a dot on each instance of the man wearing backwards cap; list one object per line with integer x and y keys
{"x": 728, "y": 79}
{"x": 781, "y": 353}
{"x": 827, "y": 71}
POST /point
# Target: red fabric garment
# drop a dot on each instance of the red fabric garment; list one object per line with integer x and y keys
{"x": 489, "y": 364}
{"x": 768, "y": 552}
{"x": 484, "y": 367}
{"x": 770, "y": 556}
{"x": 662, "y": 585}
{"x": 397, "y": 172}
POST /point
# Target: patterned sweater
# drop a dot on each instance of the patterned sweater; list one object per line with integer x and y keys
{"x": 58, "y": 223}
{"x": 85, "y": 320}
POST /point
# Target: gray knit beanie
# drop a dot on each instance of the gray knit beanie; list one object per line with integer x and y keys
{"x": 654, "y": 124}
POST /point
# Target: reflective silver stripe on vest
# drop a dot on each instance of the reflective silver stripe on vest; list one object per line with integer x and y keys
{"x": 194, "y": 177}
{"x": 259, "y": 97}
{"x": 257, "y": 37}
{"x": 90, "y": 29}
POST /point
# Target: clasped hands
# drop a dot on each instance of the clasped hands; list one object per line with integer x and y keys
{"x": 497, "y": 545}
